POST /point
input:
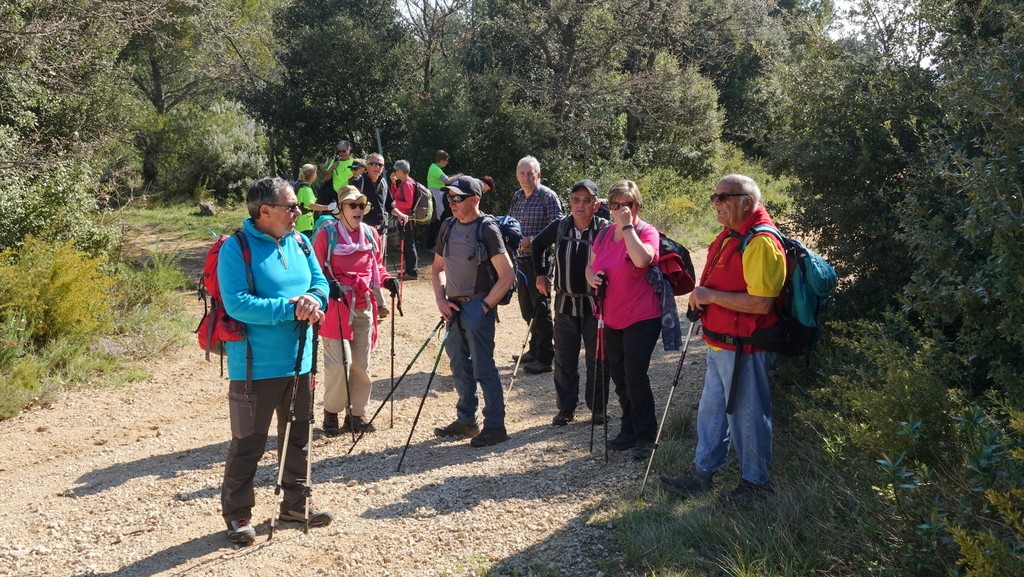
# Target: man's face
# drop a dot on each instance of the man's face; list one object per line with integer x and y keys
{"x": 374, "y": 166}
{"x": 583, "y": 204}
{"x": 528, "y": 176}
{"x": 463, "y": 206}
{"x": 278, "y": 219}
{"x": 732, "y": 210}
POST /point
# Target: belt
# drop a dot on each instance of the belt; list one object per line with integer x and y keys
{"x": 465, "y": 299}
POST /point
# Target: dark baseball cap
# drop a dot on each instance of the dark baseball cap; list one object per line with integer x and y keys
{"x": 587, "y": 184}
{"x": 357, "y": 163}
{"x": 465, "y": 186}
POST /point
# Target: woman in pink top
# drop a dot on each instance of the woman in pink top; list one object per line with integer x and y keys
{"x": 619, "y": 260}
{"x": 349, "y": 254}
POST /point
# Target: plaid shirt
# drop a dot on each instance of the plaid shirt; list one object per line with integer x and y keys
{"x": 535, "y": 212}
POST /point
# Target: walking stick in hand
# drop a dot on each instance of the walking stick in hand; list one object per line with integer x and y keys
{"x": 600, "y": 368}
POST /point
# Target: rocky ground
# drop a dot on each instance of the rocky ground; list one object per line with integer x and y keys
{"x": 125, "y": 481}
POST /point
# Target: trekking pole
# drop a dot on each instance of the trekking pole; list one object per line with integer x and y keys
{"x": 308, "y": 490}
{"x": 668, "y": 403}
{"x": 392, "y": 426}
{"x": 423, "y": 400}
{"x": 283, "y": 446}
{"x": 398, "y": 382}
{"x": 344, "y": 371}
{"x": 401, "y": 267}
{"x": 600, "y": 371}
{"x": 519, "y": 359}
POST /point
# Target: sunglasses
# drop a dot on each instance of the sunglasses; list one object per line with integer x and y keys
{"x": 355, "y": 205}
{"x": 375, "y": 163}
{"x": 293, "y": 207}
{"x": 722, "y": 197}
{"x": 456, "y": 199}
{"x": 618, "y": 205}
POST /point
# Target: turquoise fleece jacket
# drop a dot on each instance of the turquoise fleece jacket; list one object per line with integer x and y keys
{"x": 281, "y": 271}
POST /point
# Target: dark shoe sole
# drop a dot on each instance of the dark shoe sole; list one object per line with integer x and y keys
{"x": 316, "y": 521}
{"x": 488, "y": 441}
{"x": 537, "y": 370}
{"x": 621, "y": 444}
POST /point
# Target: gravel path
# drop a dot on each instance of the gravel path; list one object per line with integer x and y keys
{"x": 125, "y": 481}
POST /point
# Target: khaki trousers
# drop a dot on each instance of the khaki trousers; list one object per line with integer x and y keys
{"x": 356, "y": 355}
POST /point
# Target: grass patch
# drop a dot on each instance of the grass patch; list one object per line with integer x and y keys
{"x": 182, "y": 222}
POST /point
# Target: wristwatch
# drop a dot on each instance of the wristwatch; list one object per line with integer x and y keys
{"x": 487, "y": 307}
{"x": 627, "y": 227}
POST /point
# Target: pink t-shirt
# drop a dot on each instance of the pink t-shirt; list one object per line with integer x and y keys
{"x": 629, "y": 298}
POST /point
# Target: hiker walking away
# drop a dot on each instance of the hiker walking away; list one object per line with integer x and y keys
{"x": 307, "y": 200}
{"x": 403, "y": 189}
{"x": 349, "y": 253}
{"x": 290, "y": 295}
{"x": 436, "y": 181}
{"x": 569, "y": 239}
{"x": 620, "y": 258}
{"x": 470, "y": 274}
{"x": 375, "y": 188}
{"x": 736, "y": 297}
{"x": 534, "y": 206}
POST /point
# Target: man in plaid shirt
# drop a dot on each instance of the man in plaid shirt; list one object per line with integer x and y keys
{"x": 534, "y": 206}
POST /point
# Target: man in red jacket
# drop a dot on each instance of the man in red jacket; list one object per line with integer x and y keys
{"x": 736, "y": 298}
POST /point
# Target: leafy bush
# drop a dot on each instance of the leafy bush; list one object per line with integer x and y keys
{"x": 58, "y": 290}
{"x": 217, "y": 150}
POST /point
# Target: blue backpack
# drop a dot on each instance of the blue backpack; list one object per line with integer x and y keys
{"x": 810, "y": 280}
{"x": 511, "y": 236}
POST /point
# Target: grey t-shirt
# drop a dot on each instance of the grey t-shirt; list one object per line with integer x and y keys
{"x": 468, "y": 273}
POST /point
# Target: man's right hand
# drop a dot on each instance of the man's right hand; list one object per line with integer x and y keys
{"x": 543, "y": 285}
{"x": 447, "y": 308}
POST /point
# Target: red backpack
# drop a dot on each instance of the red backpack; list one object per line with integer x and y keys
{"x": 216, "y": 327}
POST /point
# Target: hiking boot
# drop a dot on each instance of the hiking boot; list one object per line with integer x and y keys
{"x": 692, "y": 481}
{"x": 383, "y": 312}
{"x": 410, "y": 276}
{"x": 241, "y": 531}
{"x": 527, "y": 358}
{"x": 597, "y": 418}
{"x": 360, "y": 424}
{"x": 331, "y": 426}
{"x": 643, "y": 450}
{"x": 621, "y": 442}
{"x": 563, "y": 418}
{"x": 457, "y": 429}
{"x": 489, "y": 436}
{"x": 297, "y": 513}
{"x": 746, "y": 492}
{"x": 537, "y": 367}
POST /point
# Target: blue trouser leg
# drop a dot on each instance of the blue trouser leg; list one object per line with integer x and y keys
{"x": 470, "y": 346}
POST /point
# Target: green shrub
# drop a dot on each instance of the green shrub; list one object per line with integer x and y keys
{"x": 19, "y": 373}
{"x": 59, "y": 291}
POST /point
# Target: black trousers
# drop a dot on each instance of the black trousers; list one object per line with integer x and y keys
{"x": 629, "y": 358}
{"x": 250, "y": 425}
{"x": 532, "y": 303}
{"x": 407, "y": 234}
{"x": 569, "y": 330}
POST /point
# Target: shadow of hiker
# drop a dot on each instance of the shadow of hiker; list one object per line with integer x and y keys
{"x": 174, "y": 557}
{"x": 165, "y": 466}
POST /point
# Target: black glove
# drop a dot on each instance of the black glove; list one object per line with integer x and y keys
{"x": 392, "y": 285}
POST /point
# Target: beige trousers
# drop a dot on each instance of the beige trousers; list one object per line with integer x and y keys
{"x": 349, "y": 360}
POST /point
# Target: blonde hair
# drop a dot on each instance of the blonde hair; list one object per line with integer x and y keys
{"x": 628, "y": 189}
{"x": 307, "y": 171}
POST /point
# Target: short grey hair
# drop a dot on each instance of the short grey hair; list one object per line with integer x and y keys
{"x": 531, "y": 160}
{"x": 343, "y": 144}
{"x": 745, "y": 184}
{"x": 267, "y": 190}
{"x": 403, "y": 165}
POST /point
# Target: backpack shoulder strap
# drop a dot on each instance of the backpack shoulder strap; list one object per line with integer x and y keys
{"x": 303, "y": 244}
{"x": 446, "y": 231}
{"x": 759, "y": 229}
{"x": 368, "y": 231}
{"x": 243, "y": 245}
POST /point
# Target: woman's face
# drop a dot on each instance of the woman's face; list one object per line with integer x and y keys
{"x": 620, "y": 202}
{"x": 352, "y": 212}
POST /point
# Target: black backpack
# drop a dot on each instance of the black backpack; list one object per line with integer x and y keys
{"x": 511, "y": 236}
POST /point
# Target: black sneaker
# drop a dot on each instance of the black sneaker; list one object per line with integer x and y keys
{"x": 621, "y": 442}
{"x": 457, "y": 429}
{"x": 746, "y": 492}
{"x": 692, "y": 481}
{"x": 360, "y": 424}
{"x": 643, "y": 450}
{"x": 563, "y": 418}
{"x": 297, "y": 513}
{"x": 240, "y": 531}
{"x": 527, "y": 358}
{"x": 331, "y": 426}
{"x": 488, "y": 437}
{"x": 537, "y": 367}
{"x": 598, "y": 418}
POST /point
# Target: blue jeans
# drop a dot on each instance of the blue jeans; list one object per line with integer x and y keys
{"x": 470, "y": 346}
{"x": 749, "y": 427}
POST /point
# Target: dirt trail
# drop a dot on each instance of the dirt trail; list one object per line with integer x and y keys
{"x": 125, "y": 481}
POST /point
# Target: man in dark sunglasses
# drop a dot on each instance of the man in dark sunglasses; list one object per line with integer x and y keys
{"x": 736, "y": 298}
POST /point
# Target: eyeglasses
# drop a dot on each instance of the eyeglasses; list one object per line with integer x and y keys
{"x": 618, "y": 205}
{"x": 457, "y": 198}
{"x": 355, "y": 205}
{"x": 375, "y": 163}
{"x": 722, "y": 197}
{"x": 293, "y": 207}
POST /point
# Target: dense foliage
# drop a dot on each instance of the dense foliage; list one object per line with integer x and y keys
{"x": 893, "y": 143}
